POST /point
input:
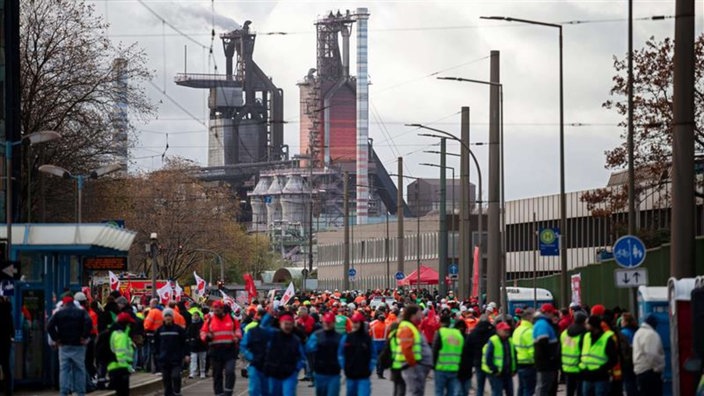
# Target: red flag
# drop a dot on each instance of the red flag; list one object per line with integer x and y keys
{"x": 128, "y": 290}
{"x": 475, "y": 273}
{"x": 249, "y": 286}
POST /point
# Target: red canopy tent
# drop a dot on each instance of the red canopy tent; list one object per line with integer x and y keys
{"x": 428, "y": 276}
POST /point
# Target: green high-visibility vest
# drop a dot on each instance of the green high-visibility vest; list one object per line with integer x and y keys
{"x": 523, "y": 341}
{"x": 594, "y": 355}
{"x": 450, "y": 351}
{"x": 570, "y": 352}
{"x": 495, "y": 340}
{"x": 251, "y": 325}
{"x": 341, "y": 324}
{"x": 399, "y": 357}
{"x": 121, "y": 346}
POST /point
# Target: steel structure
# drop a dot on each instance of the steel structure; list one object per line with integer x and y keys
{"x": 246, "y": 108}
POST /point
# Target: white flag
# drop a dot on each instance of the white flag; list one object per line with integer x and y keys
{"x": 227, "y": 300}
{"x": 178, "y": 291}
{"x": 114, "y": 281}
{"x": 200, "y": 285}
{"x": 165, "y": 293}
{"x": 288, "y": 294}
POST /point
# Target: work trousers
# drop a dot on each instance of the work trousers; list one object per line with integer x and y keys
{"x": 120, "y": 381}
{"x": 378, "y": 346}
{"x": 415, "y": 377}
{"x": 501, "y": 384}
{"x": 258, "y": 383}
{"x": 649, "y": 383}
{"x": 446, "y": 383}
{"x": 327, "y": 385}
{"x": 223, "y": 367}
{"x": 574, "y": 384}
{"x": 527, "y": 377}
{"x": 399, "y": 383}
{"x": 171, "y": 377}
{"x": 546, "y": 384}
{"x": 72, "y": 369}
{"x": 595, "y": 388}
{"x": 481, "y": 379}
{"x": 283, "y": 387}
{"x": 359, "y": 387}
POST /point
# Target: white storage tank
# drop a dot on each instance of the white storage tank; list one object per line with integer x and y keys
{"x": 258, "y": 197}
{"x": 273, "y": 200}
{"x": 293, "y": 200}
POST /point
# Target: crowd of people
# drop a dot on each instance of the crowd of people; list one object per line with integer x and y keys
{"x": 330, "y": 335}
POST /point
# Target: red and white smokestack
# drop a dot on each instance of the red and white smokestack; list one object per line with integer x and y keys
{"x": 362, "y": 118}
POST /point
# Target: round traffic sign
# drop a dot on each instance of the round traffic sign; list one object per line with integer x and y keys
{"x": 304, "y": 272}
{"x": 548, "y": 236}
{"x": 399, "y": 275}
{"x": 453, "y": 269}
{"x": 629, "y": 251}
{"x": 352, "y": 272}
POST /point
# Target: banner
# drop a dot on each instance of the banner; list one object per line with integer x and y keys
{"x": 288, "y": 294}
{"x": 165, "y": 293}
{"x": 249, "y": 286}
{"x": 227, "y": 300}
{"x": 114, "y": 281}
{"x": 200, "y": 286}
{"x": 475, "y": 274}
{"x": 576, "y": 283}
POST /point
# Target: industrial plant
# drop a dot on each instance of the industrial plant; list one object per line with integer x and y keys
{"x": 290, "y": 196}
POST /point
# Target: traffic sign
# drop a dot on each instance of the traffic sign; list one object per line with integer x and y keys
{"x": 453, "y": 269}
{"x": 631, "y": 277}
{"x": 10, "y": 270}
{"x": 352, "y": 272}
{"x": 629, "y": 251}
{"x": 304, "y": 272}
{"x": 549, "y": 241}
{"x": 399, "y": 275}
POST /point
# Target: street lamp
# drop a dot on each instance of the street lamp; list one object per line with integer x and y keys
{"x": 417, "y": 229}
{"x": 220, "y": 261}
{"x": 32, "y": 138}
{"x": 479, "y": 177}
{"x": 564, "y": 287}
{"x": 80, "y": 179}
{"x": 452, "y": 224}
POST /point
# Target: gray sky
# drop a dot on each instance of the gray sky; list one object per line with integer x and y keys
{"x": 408, "y": 41}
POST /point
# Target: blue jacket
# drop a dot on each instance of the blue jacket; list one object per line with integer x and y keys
{"x": 275, "y": 357}
{"x": 547, "y": 345}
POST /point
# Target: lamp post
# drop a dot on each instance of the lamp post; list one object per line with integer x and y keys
{"x": 220, "y": 261}
{"x": 80, "y": 180}
{"x": 564, "y": 286}
{"x": 32, "y": 138}
{"x": 417, "y": 227}
{"x": 452, "y": 222}
{"x": 479, "y": 178}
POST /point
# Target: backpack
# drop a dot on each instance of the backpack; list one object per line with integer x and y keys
{"x": 386, "y": 356}
{"x": 103, "y": 353}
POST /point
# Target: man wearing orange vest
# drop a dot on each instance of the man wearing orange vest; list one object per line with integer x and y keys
{"x": 222, "y": 333}
{"x": 152, "y": 322}
{"x": 377, "y": 329}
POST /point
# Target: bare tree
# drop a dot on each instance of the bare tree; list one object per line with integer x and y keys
{"x": 69, "y": 84}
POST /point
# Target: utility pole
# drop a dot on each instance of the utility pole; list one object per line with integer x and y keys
{"x": 346, "y": 208}
{"x": 387, "y": 247}
{"x": 632, "y": 292}
{"x": 493, "y": 272}
{"x": 465, "y": 240}
{"x": 399, "y": 215}
{"x": 442, "y": 235}
{"x": 682, "y": 264}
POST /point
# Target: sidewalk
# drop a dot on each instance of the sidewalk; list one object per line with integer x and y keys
{"x": 139, "y": 383}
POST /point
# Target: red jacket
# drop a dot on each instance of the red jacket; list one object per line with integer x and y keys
{"x": 225, "y": 330}
{"x": 306, "y": 323}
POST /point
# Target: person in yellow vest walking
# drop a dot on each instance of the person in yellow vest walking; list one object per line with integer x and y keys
{"x": 499, "y": 360}
{"x": 447, "y": 353}
{"x": 413, "y": 355}
{"x": 525, "y": 353}
{"x": 599, "y": 355}
{"x": 571, "y": 349}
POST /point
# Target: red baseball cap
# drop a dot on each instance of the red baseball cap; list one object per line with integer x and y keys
{"x": 124, "y": 317}
{"x": 218, "y": 304}
{"x": 358, "y": 317}
{"x": 503, "y": 326}
{"x": 598, "y": 310}
{"x": 329, "y": 317}
{"x": 547, "y": 308}
{"x": 286, "y": 317}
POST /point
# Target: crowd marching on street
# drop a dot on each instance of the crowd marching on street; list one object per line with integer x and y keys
{"x": 340, "y": 339}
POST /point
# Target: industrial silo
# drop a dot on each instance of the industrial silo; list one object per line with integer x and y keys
{"x": 250, "y": 143}
{"x": 293, "y": 200}
{"x": 258, "y": 196}
{"x": 273, "y": 200}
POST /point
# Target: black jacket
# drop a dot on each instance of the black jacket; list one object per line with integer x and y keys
{"x": 107, "y": 317}
{"x": 602, "y": 374}
{"x": 282, "y": 355}
{"x": 170, "y": 344}
{"x": 325, "y": 356}
{"x": 69, "y": 325}
{"x": 466, "y": 361}
{"x": 7, "y": 330}
{"x": 478, "y": 338}
{"x": 195, "y": 344}
{"x": 358, "y": 354}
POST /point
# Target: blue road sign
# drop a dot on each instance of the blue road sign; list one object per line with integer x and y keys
{"x": 7, "y": 288}
{"x": 549, "y": 241}
{"x": 267, "y": 199}
{"x": 352, "y": 272}
{"x": 399, "y": 275}
{"x": 629, "y": 251}
{"x": 453, "y": 269}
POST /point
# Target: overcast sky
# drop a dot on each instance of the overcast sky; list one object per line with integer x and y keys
{"x": 410, "y": 43}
